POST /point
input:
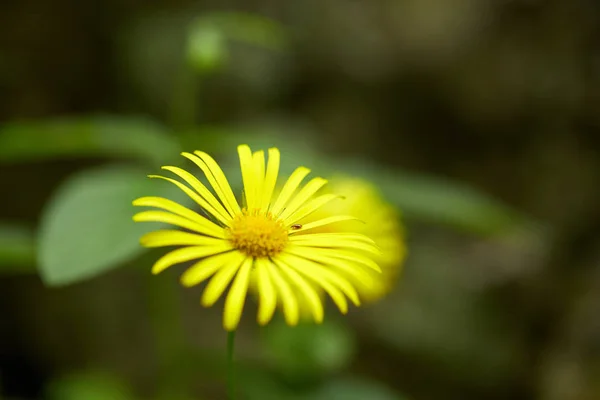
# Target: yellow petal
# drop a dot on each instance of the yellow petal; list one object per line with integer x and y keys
{"x": 215, "y": 207}
{"x": 313, "y": 300}
{"x": 270, "y": 178}
{"x": 248, "y": 176}
{"x": 327, "y": 274}
{"x": 205, "y": 268}
{"x": 310, "y": 207}
{"x": 325, "y": 236}
{"x": 289, "y": 188}
{"x": 197, "y": 198}
{"x": 169, "y": 237}
{"x": 303, "y": 196}
{"x": 288, "y": 298}
{"x": 307, "y": 270}
{"x": 175, "y": 208}
{"x": 216, "y": 178}
{"x": 352, "y": 269}
{"x": 188, "y": 254}
{"x": 341, "y": 243}
{"x": 168, "y": 218}
{"x": 347, "y": 255}
{"x": 266, "y": 292}
{"x": 220, "y": 280}
{"x": 258, "y": 161}
{"x": 323, "y": 222}
{"x": 234, "y": 303}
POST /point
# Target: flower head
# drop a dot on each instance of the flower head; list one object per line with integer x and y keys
{"x": 381, "y": 223}
{"x": 261, "y": 241}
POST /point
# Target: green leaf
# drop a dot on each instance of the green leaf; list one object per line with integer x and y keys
{"x": 441, "y": 201}
{"x": 260, "y": 385}
{"x": 108, "y": 136}
{"x": 308, "y": 349}
{"x": 353, "y": 389}
{"x": 87, "y": 227}
{"x": 17, "y": 249}
{"x": 89, "y": 386}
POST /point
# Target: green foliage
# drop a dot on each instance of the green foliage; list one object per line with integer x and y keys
{"x": 17, "y": 249}
{"x": 87, "y": 226}
{"x": 439, "y": 201}
{"x": 89, "y": 386}
{"x": 309, "y": 350}
{"x": 353, "y": 389}
{"x": 260, "y": 385}
{"x": 105, "y": 136}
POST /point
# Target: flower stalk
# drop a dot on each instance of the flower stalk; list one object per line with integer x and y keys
{"x": 230, "y": 366}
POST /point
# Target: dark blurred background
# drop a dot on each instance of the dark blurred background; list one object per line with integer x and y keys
{"x": 478, "y": 118}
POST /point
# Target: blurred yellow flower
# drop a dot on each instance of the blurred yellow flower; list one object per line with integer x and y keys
{"x": 381, "y": 223}
{"x": 291, "y": 261}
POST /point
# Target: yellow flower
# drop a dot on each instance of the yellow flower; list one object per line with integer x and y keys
{"x": 381, "y": 223}
{"x": 263, "y": 240}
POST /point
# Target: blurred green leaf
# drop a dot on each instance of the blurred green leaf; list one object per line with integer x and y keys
{"x": 259, "y": 385}
{"x": 352, "y": 389}
{"x": 87, "y": 227}
{"x": 17, "y": 249}
{"x": 437, "y": 200}
{"x": 109, "y": 136}
{"x": 89, "y": 386}
{"x": 309, "y": 349}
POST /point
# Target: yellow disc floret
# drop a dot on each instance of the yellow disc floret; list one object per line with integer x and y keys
{"x": 257, "y": 234}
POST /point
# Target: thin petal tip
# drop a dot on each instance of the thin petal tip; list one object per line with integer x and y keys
{"x": 156, "y": 271}
{"x": 262, "y": 321}
{"x": 186, "y": 280}
{"x": 206, "y": 302}
{"x": 136, "y": 217}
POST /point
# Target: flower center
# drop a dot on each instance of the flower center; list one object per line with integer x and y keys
{"x": 257, "y": 234}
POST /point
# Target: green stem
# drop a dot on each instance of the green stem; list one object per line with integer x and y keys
{"x": 230, "y": 366}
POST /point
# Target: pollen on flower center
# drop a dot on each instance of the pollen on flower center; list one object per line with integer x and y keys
{"x": 258, "y": 234}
